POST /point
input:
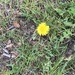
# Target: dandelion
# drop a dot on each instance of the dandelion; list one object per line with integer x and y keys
{"x": 42, "y": 29}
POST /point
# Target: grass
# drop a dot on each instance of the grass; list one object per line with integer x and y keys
{"x": 44, "y": 55}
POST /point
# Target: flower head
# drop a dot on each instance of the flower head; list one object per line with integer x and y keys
{"x": 42, "y": 29}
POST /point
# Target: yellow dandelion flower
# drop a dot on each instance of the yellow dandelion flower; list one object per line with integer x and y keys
{"x": 42, "y": 29}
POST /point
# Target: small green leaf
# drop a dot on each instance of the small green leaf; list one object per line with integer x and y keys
{"x": 72, "y": 10}
{"x": 69, "y": 24}
{"x": 61, "y": 12}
